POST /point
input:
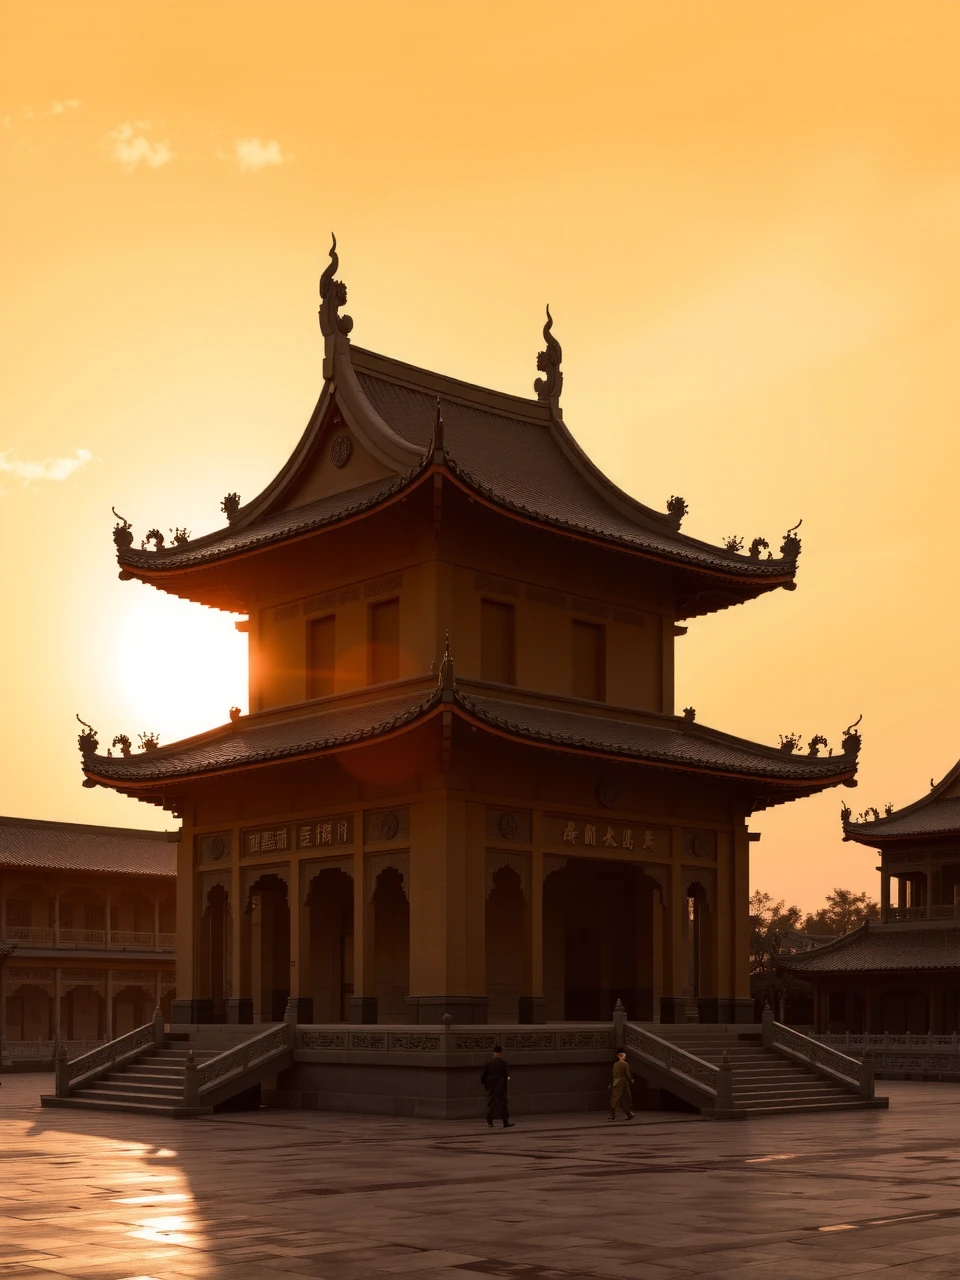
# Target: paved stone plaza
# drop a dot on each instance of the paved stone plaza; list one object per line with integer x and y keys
{"x": 264, "y": 1195}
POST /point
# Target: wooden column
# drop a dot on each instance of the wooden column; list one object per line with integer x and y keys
{"x": 884, "y": 892}
{"x": 156, "y": 920}
{"x": 234, "y": 1008}
{"x": 742, "y": 1010}
{"x": 108, "y": 1006}
{"x": 57, "y": 994}
{"x": 108, "y": 918}
{"x": 363, "y": 1002}
{"x": 56, "y": 916}
{"x": 533, "y": 1001}
{"x": 673, "y": 1003}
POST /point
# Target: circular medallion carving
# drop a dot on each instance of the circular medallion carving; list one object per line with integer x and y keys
{"x": 507, "y": 826}
{"x": 389, "y": 826}
{"x": 607, "y": 792}
{"x": 340, "y": 451}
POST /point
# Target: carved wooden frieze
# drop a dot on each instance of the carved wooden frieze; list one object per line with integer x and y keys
{"x": 20, "y": 973}
{"x": 518, "y": 862}
{"x": 381, "y": 586}
{"x": 383, "y": 825}
{"x": 541, "y": 595}
{"x": 133, "y": 975}
{"x": 508, "y": 824}
{"x": 699, "y": 844}
{"x": 499, "y": 586}
{"x": 661, "y": 877}
{"x": 213, "y": 846}
{"x": 377, "y": 863}
{"x": 284, "y": 612}
{"x": 594, "y": 608}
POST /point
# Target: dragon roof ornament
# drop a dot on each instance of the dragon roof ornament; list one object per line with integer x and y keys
{"x": 548, "y": 362}
{"x": 333, "y": 295}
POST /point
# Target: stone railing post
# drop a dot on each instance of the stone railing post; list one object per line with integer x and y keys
{"x": 766, "y": 1027}
{"x": 619, "y": 1024}
{"x": 62, "y": 1069}
{"x": 190, "y": 1086}
{"x": 158, "y": 1033}
{"x": 725, "y": 1084}
{"x": 866, "y": 1076}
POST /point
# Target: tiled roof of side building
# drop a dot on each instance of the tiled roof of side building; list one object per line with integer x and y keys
{"x": 70, "y": 846}
{"x": 935, "y": 814}
{"x": 878, "y": 948}
{"x": 670, "y": 741}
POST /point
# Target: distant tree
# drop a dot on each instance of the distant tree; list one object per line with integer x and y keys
{"x": 844, "y": 911}
{"x": 768, "y": 920}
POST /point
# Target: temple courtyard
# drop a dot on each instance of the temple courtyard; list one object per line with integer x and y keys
{"x": 268, "y": 1194}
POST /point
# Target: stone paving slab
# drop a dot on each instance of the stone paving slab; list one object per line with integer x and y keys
{"x": 274, "y": 1194}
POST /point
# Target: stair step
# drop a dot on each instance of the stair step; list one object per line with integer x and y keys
{"x": 105, "y": 1094}
{"x": 119, "y": 1085}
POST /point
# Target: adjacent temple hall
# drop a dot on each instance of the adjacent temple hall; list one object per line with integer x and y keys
{"x": 902, "y": 975}
{"x": 462, "y": 788}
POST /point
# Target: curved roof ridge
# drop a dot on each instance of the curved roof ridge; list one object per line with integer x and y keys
{"x": 827, "y": 947}
{"x": 861, "y": 831}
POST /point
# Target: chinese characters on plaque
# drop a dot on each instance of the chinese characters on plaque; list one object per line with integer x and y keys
{"x": 612, "y": 835}
{"x": 315, "y": 833}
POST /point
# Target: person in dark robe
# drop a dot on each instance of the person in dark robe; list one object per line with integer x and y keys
{"x": 494, "y": 1080}
{"x": 620, "y": 1095}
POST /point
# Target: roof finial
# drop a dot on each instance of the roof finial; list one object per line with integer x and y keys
{"x": 548, "y": 362}
{"x": 447, "y": 682}
{"x": 87, "y": 742}
{"x": 790, "y": 547}
{"x": 438, "y": 446}
{"x": 851, "y": 738}
{"x": 333, "y": 295}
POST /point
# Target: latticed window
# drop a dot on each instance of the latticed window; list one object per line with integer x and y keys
{"x": 93, "y": 918}
{"x": 66, "y": 915}
{"x": 18, "y": 911}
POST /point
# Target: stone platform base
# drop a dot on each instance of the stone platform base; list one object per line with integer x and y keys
{"x": 434, "y": 1073}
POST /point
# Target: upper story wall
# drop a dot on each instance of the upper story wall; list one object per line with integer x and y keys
{"x": 523, "y": 607}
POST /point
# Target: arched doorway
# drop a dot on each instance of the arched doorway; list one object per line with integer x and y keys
{"x": 506, "y": 943}
{"x": 600, "y": 943}
{"x": 214, "y": 952}
{"x": 391, "y": 946}
{"x": 267, "y": 947}
{"x": 330, "y": 962}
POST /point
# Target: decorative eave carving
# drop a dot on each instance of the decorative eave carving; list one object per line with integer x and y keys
{"x": 548, "y": 362}
{"x": 852, "y": 740}
{"x": 333, "y": 296}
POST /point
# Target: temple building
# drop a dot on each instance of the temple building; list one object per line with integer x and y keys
{"x": 462, "y": 789}
{"x": 87, "y": 934}
{"x": 902, "y": 975}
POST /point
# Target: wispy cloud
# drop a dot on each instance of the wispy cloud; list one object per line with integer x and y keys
{"x": 60, "y": 106}
{"x": 253, "y": 154}
{"x": 131, "y": 148}
{"x": 49, "y": 469}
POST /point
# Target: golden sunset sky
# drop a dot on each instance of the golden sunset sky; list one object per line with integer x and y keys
{"x": 745, "y": 216}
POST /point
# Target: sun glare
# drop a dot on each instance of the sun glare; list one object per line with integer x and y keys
{"x": 180, "y": 667}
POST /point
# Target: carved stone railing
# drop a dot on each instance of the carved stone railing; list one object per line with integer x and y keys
{"x": 105, "y": 1057}
{"x": 889, "y": 1040}
{"x": 166, "y": 940}
{"x": 951, "y": 911}
{"x": 715, "y": 1083}
{"x": 45, "y": 1050}
{"x": 822, "y": 1057}
{"x": 201, "y": 1078}
{"x": 29, "y": 933}
{"x": 133, "y": 938}
{"x": 83, "y": 937}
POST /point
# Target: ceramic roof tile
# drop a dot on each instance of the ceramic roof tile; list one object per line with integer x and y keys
{"x": 879, "y": 948}
{"x": 938, "y": 817}
{"x": 675, "y": 743}
{"x": 67, "y": 846}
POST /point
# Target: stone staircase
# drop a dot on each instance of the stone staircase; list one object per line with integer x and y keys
{"x": 154, "y": 1079}
{"x": 765, "y": 1081}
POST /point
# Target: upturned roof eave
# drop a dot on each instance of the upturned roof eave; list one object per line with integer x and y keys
{"x": 879, "y": 831}
{"x": 98, "y": 772}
